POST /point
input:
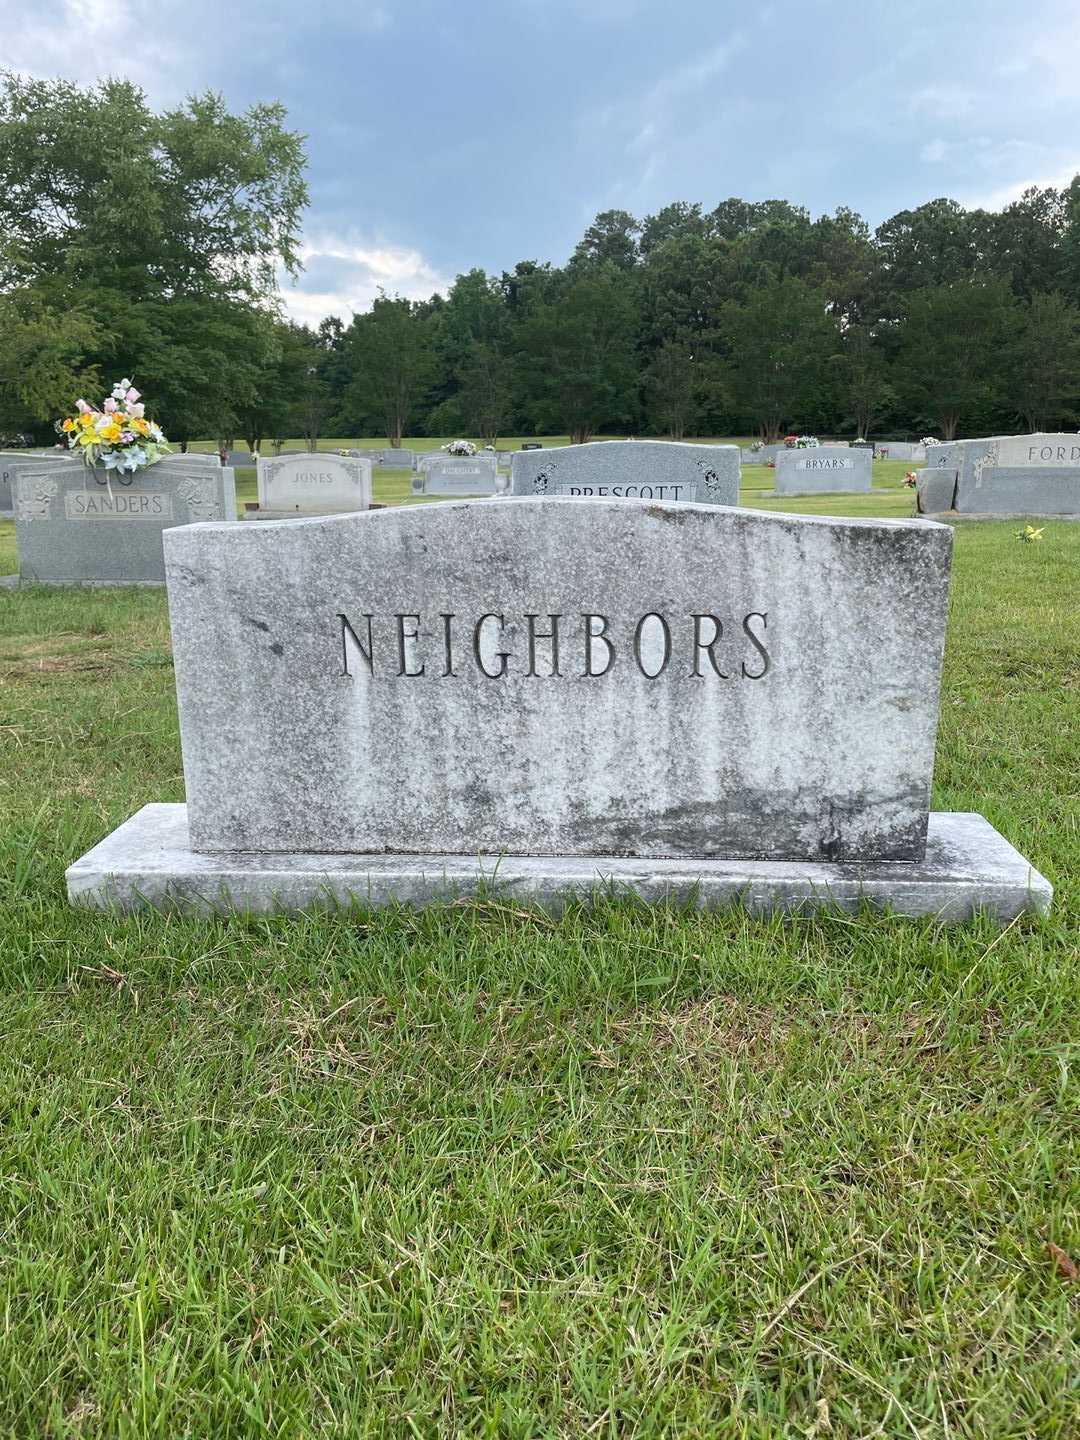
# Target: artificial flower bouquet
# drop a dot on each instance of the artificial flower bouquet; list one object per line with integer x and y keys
{"x": 911, "y": 480}
{"x": 460, "y": 447}
{"x": 118, "y": 435}
{"x": 807, "y": 442}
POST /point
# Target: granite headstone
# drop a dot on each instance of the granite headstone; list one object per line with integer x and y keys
{"x": 313, "y": 483}
{"x": 1036, "y": 475}
{"x": 75, "y": 526}
{"x": 457, "y": 475}
{"x": 825, "y": 469}
{"x": 9, "y": 461}
{"x": 687, "y": 701}
{"x": 668, "y": 471}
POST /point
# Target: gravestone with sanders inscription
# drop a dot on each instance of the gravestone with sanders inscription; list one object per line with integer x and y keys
{"x": 669, "y": 471}
{"x": 824, "y": 469}
{"x": 312, "y": 483}
{"x": 75, "y": 526}
{"x": 683, "y": 701}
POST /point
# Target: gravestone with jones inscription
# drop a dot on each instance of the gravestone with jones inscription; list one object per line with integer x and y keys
{"x": 1006, "y": 475}
{"x": 75, "y": 526}
{"x": 685, "y": 701}
{"x": 825, "y": 469}
{"x": 311, "y": 483}
{"x": 457, "y": 475}
{"x": 665, "y": 470}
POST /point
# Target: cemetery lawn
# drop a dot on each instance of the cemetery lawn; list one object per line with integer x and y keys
{"x": 477, "y": 1171}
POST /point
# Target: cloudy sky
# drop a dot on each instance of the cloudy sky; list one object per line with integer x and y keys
{"x": 443, "y": 136}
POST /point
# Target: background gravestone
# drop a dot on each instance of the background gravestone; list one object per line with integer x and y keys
{"x": 9, "y": 460}
{"x": 1007, "y": 475}
{"x": 457, "y": 475}
{"x": 312, "y": 483}
{"x": 71, "y": 530}
{"x": 669, "y": 471}
{"x": 826, "y": 469}
{"x": 400, "y": 458}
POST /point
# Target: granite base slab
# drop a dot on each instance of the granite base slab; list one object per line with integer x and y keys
{"x": 950, "y": 516}
{"x": 148, "y": 863}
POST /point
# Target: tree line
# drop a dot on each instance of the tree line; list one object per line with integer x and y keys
{"x": 135, "y": 243}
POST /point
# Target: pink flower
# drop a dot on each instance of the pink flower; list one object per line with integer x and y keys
{"x": 131, "y": 396}
{"x": 82, "y": 407}
{"x": 110, "y": 407}
{"x": 127, "y": 436}
{"x": 137, "y": 411}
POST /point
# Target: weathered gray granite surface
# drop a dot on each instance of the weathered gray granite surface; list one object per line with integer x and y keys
{"x": 935, "y": 491}
{"x": 722, "y": 682}
{"x": 1008, "y": 475}
{"x": 457, "y": 475}
{"x": 968, "y": 868}
{"x": 826, "y": 469}
{"x": 320, "y": 483}
{"x": 9, "y": 460}
{"x": 71, "y": 530}
{"x": 399, "y": 459}
{"x": 664, "y": 470}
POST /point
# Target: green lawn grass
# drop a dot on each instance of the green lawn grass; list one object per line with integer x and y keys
{"x": 480, "y": 1172}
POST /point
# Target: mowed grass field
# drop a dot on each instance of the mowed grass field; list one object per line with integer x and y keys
{"x": 476, "y": 1171}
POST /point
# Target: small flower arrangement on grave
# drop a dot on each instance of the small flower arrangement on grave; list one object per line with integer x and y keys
{"x": 460, "y": 447}
{"x": 807, "y": 442}
{"x": 118, "y": 435}
{"x": 756, "y": 446}
{"x": 791, "y": 441}
{"x": 1029, "y": 534}
{"x": 911, "y": 479}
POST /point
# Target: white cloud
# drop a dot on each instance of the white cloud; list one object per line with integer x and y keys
{"x": 1003, "y": 195}
{"x": 347, "y": 274}
{"x": 946, "y": 102}
{"x": 934, "y": 152}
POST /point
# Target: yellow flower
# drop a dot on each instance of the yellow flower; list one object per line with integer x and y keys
{"x": 68, "y": 425}
{"x": 141, "y": 426}
{"x": 111, "y": 432}
{"x": 86, "y": 421}
{"x": 87, "y": 438}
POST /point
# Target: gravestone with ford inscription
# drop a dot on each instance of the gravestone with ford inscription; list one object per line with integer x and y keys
{"x": 457, "y": 475}
{"x": 823, "y": 469}
{"x": 681, "y": 701}
{"x": 311, "y": 483}
{"x": 80, "y": 526}
{"x": 1005, "y": 475}
{"x": 668, "y": 471}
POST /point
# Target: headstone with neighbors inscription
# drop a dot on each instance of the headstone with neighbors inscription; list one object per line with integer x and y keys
{"x": 669, "y": 471}
{"x": 681, "y": 701}
{"x": 822, "y": 470}
{"x": 1007, "y": 475}
{"x": 457, "y": 475}
{"x": 311, "y": 483}
{"x": 76, "y": 526}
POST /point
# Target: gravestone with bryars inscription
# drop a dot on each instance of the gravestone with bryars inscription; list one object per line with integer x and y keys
{"x": 80, "y": 526}
{"x": 1006, "y": 475}
{"x": 665, "y": 470}
{"x": 544, "y": 696}
{"x": 823, "y": 469}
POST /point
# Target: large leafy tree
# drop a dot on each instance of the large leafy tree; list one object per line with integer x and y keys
{"x": 1044, "y": 362}
{"x": 781, "y": 344}
{"x": 153, "y": 241}
{"x": 576, "y": 358}
{"x": 953, "y": 358}
{"x": 391, "y": 352}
